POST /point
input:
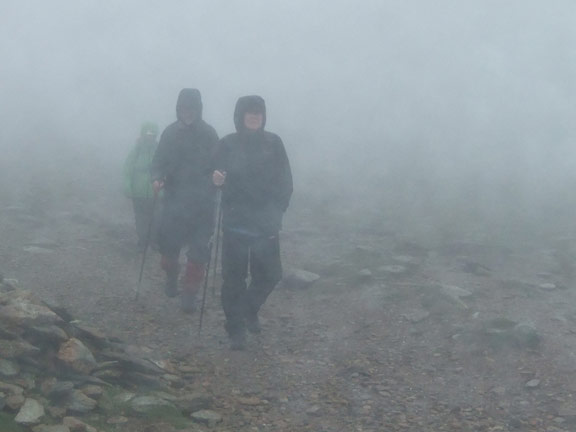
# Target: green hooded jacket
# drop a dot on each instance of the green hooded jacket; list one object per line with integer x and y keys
{"x": 137, "y": 180}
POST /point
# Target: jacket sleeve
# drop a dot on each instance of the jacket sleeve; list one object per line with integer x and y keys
{"x": 160, "y": 166}
{"x": 285, "y": 183}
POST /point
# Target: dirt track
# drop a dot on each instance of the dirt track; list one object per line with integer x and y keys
{"x": 390, "y": 353}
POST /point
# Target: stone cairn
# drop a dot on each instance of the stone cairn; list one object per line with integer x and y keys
{"x": 54, "y": 370}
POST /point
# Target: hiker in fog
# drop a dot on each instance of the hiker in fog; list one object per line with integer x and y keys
{"x": 253, "y": 170}
{"x": 137, "y": 182}
{"x": 182, "y": 168}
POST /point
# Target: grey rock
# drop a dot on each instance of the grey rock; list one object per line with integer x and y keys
{"x": 144, "y": 404}
{"x": 59, "y": 390}
{"x": 108, "y": 374}
{"x": 92, "y": 391}
{"x": 25, "y": 380}
{"x": 90, "y": 334}
{"x": 31, "y": 412}
{"x": 504, "y": 332}
{"x": 80, "y": 403}
{"x": 194, "y": 402}
{"x": 22, "y": 311}
{"x": 15, "y": 401}
{"x": 145, "y": 381}
{"x": 50, "y": 334}
{"x": 77, "y": 425}
{"x": 11, "y": 389}
{"x": 124, "y": 397}
{"x": 12, "y": 349}
{"x": 59, "y": 310}
{"x": 207, "y": 417}
{"x": 56, "y": 411}
{"x": 53, "y": 428}
{"x": 299, "y": 279}
{"x": 314, "y": 410}
{"x": 132, "y": 362}
{"x": 117, "y": 420}
{"x": 9, "y": 368}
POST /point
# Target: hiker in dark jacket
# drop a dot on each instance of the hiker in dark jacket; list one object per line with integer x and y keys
{"x": 254, "y": 172}
{"x": 182, "y": 167}
{"x": 137, "y": 182}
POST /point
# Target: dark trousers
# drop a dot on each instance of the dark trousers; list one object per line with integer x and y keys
{"x": 143, "y": 216}
{"x": 180, "y": 229}
{"x": 261, "y": 257}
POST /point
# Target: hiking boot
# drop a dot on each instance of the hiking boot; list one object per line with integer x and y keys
{"x": 188, "y": 302}
{"x": 238, "y": 341}
{"x": 253, "y": 323}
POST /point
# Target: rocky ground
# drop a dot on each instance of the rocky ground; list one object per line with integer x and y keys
{"x": 397, "y": 334}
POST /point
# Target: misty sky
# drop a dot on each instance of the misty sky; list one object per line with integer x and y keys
{"x": 440, "y": 86}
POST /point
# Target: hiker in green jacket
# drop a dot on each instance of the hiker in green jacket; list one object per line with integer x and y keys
{"x": 137, "y": 181}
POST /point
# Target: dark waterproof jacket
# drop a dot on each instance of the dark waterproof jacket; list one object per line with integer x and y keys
{"x": 258, "y": 182}
{"x": 184, "y": 160}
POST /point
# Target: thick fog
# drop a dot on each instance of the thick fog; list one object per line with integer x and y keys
{"x": 445, "y": 114}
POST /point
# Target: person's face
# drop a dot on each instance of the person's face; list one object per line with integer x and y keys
{"x": 187, "y": 115}
{"x": 253, "y": 121}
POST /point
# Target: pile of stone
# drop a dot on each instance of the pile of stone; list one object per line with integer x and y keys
{"x": 54, "y": 369}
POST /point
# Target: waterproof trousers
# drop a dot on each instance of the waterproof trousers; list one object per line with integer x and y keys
{"x": 242, "y": 256}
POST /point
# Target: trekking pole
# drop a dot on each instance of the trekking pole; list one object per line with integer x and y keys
{"x": 217, "y": 237}
{"x": 147, "y": 244}
{"x": 205, "y": 287}
{"x": 207, "y": 272}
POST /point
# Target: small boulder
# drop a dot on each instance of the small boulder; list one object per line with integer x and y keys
{"x": 207, "y": 417}
{"x": 78, "y": 402}
{"x": 193, "y": 402}
{"x": 12, "y": 349}
{"x": 15, "y": 401}
{"x": 74, "y": 354}
{"x": 30, "y": 413}
{"x": 76, "y": 425}
{"x": 51, "y": 428}
{"x": 144, "y": 404}
{"x": 299, "y": 279}
{"x": 9, "y": 368}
